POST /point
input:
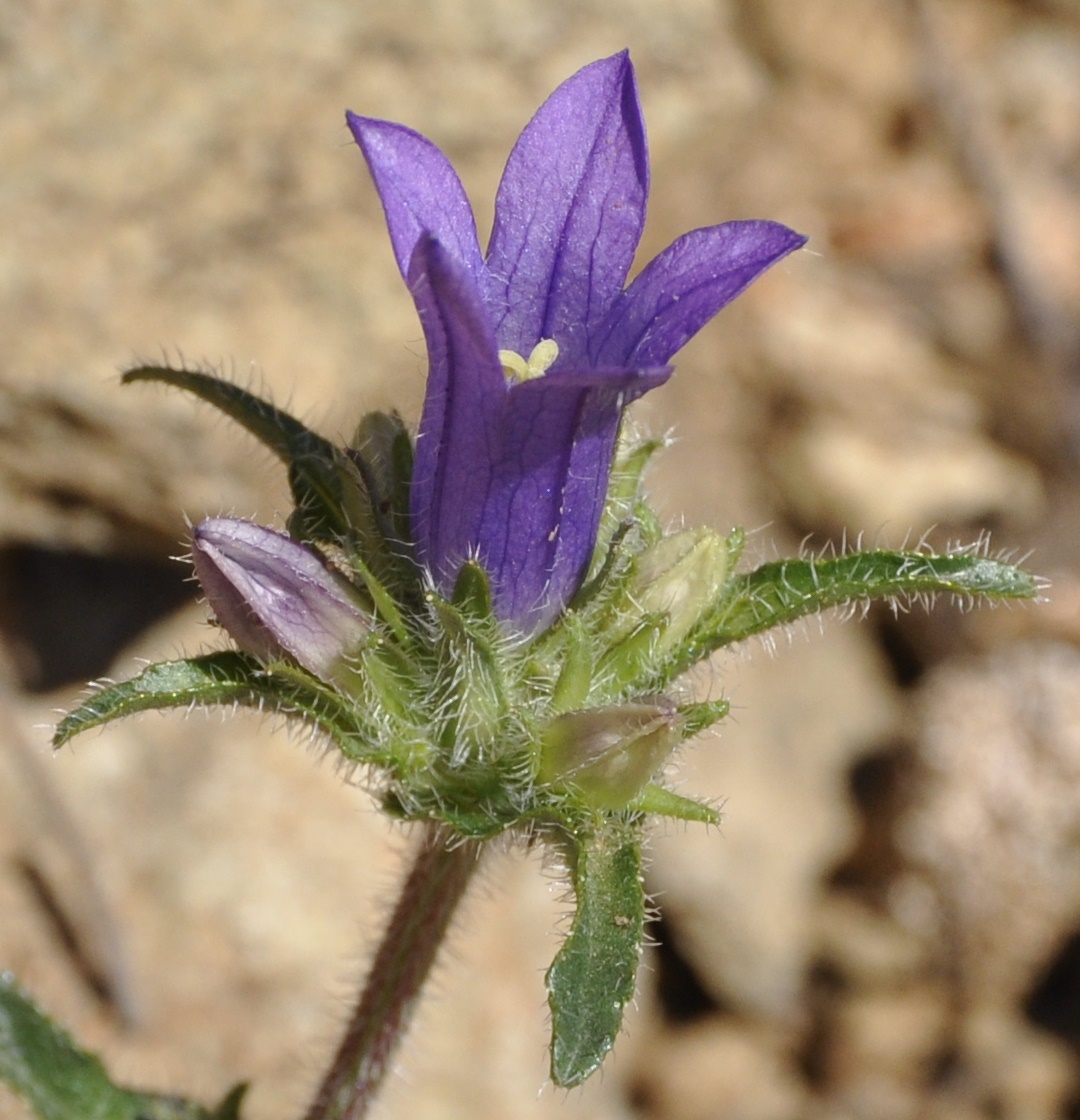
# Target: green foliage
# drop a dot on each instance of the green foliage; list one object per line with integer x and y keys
{"x": 59, "y": 1081}
{"x": 319, "y": 473}
{"x": 591, "y": 980}
{"x": 559, "y": 736}
{"x": 786, "y": 590}
{"x": 229, "y": 679}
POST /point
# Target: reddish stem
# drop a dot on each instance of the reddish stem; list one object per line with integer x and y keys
{"x": 436, "y": 884}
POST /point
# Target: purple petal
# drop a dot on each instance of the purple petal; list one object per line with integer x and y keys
{"x": 570, "y": 209}
{"x": 463, "y": 411}
{"x": 547, "y": 484}
{"x": 275, "y": 596}
{"x": 514, "y": 476}
{"x": 420, "y": 192}
{"x": 680, "y": 290}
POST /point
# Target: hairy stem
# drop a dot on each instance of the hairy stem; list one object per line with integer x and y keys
{"x": 436, "y": 884}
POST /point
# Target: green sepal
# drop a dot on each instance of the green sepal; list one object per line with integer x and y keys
{"x": 473, "y": 684}
{"x": 331, "y": 505}
{"x": 574, "y": 680}
{"x": 591, "y": 980}
{"x": 592, "y": 603}
{"x": 624, "y": 489}
{"x": 472, "y": 592}
{"x": 384, "y": 604}
{"x": 624, "y": 667}
{"x": 477, "y": 802}
{"x": 786, "y": 590}
{"x": 229, "y": 678}
{"x": 383, "y": 451}
{"x": 469, "y": 690}
{"x": 58, "y": 1080}
{"x": 665, "y": 803}
{"x": 229, "y": 1106}
{"x": 701, "y": 716}
{"x": 326, "y": 485}
{"x": 669, "y": 586}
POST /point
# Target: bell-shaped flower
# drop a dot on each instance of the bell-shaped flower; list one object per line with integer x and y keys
{"x": 276, "y": 597}
{"x": 536, "y": 348}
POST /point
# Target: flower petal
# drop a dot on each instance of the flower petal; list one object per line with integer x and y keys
{"x": 547, "y": 485}
{"x": 514, "y": 476}
{"x": 569, "y": 211}
{"x": 463, "y": 411}
{"x": 420, "y": 192}
{"x": 680, "y": 290}
{"x": 275, "y": 596}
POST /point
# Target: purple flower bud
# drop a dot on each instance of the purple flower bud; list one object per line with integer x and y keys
{"x": 276, "y": 597}
{"x": 610, "y": 754}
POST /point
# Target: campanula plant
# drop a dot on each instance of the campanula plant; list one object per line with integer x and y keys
{"x": 489, "y": 617}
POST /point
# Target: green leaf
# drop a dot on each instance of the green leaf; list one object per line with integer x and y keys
{"x": 326, "y": 486}
{"x": 227, "y": 678}
{"x": 786, "y": 590}
{"x": 60, "y": 1081}
{"x": 592, "y": 978}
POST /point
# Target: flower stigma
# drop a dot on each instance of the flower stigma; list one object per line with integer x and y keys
{"x": 541, "y": 359}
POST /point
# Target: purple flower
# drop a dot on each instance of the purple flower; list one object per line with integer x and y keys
{"x": 276, "y": 597}
{"x": 536, "y": 348}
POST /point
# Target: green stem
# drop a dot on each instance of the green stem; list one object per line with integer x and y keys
{"x": 436, "y": 884}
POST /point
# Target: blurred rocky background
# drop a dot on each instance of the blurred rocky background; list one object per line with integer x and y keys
{"x": 888, "y": 924}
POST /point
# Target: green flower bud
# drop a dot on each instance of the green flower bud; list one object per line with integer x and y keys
{"x": 679, "y": 577}
{"x": 608, "y": 755}
{"x": 672, "y": 586}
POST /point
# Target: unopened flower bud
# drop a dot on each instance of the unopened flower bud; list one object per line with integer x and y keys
{"x": 673, "y": 585}
{"x": 277, "y": 597}
{"x": 679, "y": 577}
{"x": 610, "y": 754}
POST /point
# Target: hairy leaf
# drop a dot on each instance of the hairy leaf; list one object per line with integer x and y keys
{"x": 226, "y": 678}
{"x": 326, "y": 485}
{"x": 787, "y": 590}
{"x": 591, "y": 979}
{"x": 60, "y": 1081}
